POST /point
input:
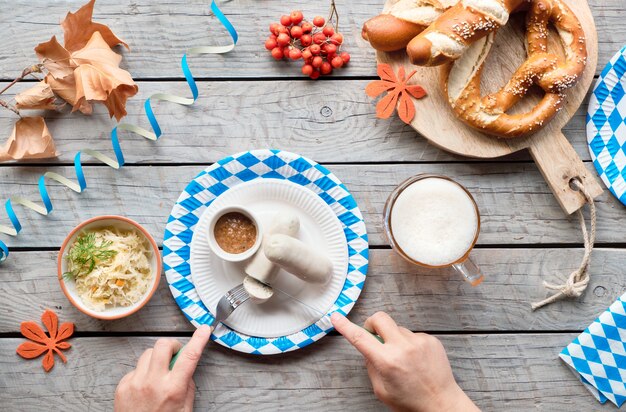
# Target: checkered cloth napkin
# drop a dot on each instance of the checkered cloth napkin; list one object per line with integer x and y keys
{"x": 598, "y": 355}
{"x": 606, "y": 125}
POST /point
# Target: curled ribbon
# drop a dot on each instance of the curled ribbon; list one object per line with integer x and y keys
{"x": 116, "y": 163}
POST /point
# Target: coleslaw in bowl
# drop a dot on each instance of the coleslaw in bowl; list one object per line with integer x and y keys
{"x": 109, "y": 267}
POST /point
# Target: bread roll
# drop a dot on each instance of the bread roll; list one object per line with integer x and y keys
{"x": 389, "y": 33}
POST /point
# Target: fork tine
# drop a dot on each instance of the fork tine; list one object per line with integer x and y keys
{"x": 237, "y": 289}
{"x": 240, "y": 293}
{"x": 237, "y": 295}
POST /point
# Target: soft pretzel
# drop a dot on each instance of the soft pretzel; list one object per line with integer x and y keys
{"x": 461, "y": 78}
{"x": 402, "y": 22}
{"x": 449, "y": 36}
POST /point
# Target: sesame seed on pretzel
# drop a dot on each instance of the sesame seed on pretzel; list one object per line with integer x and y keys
{"x": 461, "y": 77}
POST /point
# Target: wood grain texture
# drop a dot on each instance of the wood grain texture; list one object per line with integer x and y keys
{"x": 338, "y": 125}
{"x": 516, "y": 205}
{"x": 159, "y": 32}
{"x": 498, "y": 372}
{"x": 333, "y": 122}
{"x": 412, "y": 295}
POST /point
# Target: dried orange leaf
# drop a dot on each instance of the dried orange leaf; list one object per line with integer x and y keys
{"x": 30, "y": 139}
{"x": 406, "y": 108}
{"x": 30, "y": 350}
{"x": 385, "y": 72}
{"x": 66, "y": 89}
{"x": 98, "y": 77}
{"x": 78, "y": 29}
{"x": 55, "y": 58}
{"x": 378, "y": 87}
{"x": 98, "y": 53}
{"x": 39, "y": 96}
{"x": 386, "y": 105}
{"x": 416, "y": 91}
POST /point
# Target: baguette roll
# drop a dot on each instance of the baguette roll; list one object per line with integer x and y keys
{"x": 404, "y": 20}
{"x": 389, "y": 33}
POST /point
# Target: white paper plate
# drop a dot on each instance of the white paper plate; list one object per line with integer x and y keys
{"x": 233, "y": 171}
{"x": 319, "y": 227}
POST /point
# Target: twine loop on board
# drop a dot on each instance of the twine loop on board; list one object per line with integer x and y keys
{"x": 578, "y": 280}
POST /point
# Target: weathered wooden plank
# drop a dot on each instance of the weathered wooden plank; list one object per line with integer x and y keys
{"x": 159, "y": 33}
{"x": 337, "y": 125}
{"x": 516, "y": 205}
{"x": 412, "y": 295}
{"x": 499, "y": 372}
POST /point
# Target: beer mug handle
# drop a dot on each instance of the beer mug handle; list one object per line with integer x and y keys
{"x": 471, "y": 273}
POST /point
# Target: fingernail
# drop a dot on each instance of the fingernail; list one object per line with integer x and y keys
{"x": 205, "y": 329}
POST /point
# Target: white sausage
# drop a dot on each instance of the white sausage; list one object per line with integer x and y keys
{"x": 259, "y": 293}
{"x": 259, "y": 267}
{"x": 298, "y": 258}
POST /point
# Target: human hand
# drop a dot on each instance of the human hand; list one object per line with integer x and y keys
{"x": 153, "y": 387}
{"x": 410, "y": 371}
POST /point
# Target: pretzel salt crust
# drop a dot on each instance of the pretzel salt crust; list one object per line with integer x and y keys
{"x": 461, "y": 78}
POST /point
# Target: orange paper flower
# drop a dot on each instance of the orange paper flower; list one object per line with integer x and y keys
{"x": 397, "y": 89}
{"x": 40, "y": 342}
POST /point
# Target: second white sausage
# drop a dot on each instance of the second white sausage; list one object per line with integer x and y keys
{"x": 298, "y": 258}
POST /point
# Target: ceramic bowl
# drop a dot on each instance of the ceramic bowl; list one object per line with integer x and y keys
{"x": 234, "y": 257}
{"x": 68, "y": 286}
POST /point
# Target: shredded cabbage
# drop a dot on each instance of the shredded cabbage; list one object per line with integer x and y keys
{"x": 121, "y": 280}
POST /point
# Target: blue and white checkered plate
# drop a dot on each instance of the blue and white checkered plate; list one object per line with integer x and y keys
{"x": 606, "y": 125}
{"x": 234, "y": 171}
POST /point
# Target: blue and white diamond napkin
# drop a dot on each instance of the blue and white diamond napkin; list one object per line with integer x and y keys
{"x": 606, "y": 125}
{"x": 598, "y": 355}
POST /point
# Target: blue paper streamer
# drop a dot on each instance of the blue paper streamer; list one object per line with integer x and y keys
{"x": 81, "y": 182}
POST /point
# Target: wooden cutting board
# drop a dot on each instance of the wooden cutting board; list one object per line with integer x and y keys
{"x": 552, "y": 152}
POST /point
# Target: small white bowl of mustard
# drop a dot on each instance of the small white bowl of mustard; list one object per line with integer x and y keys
{"x": 234, "y": 234}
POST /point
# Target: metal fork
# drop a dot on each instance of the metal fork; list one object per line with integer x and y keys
{"x": 225, "y": 307}
{"x": 229, "y": 302}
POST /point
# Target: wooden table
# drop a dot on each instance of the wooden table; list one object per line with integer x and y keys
{"x": 503, "y": 355}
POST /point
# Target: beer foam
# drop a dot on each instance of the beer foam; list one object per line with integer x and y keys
{"x": 434, "y": 221}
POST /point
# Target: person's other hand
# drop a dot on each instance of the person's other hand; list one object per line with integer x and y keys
{"x": 153, "y": 387}
{"x": 410, "y": 371}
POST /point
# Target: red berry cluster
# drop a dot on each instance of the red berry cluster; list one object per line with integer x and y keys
{"x": 316, "y": 43}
